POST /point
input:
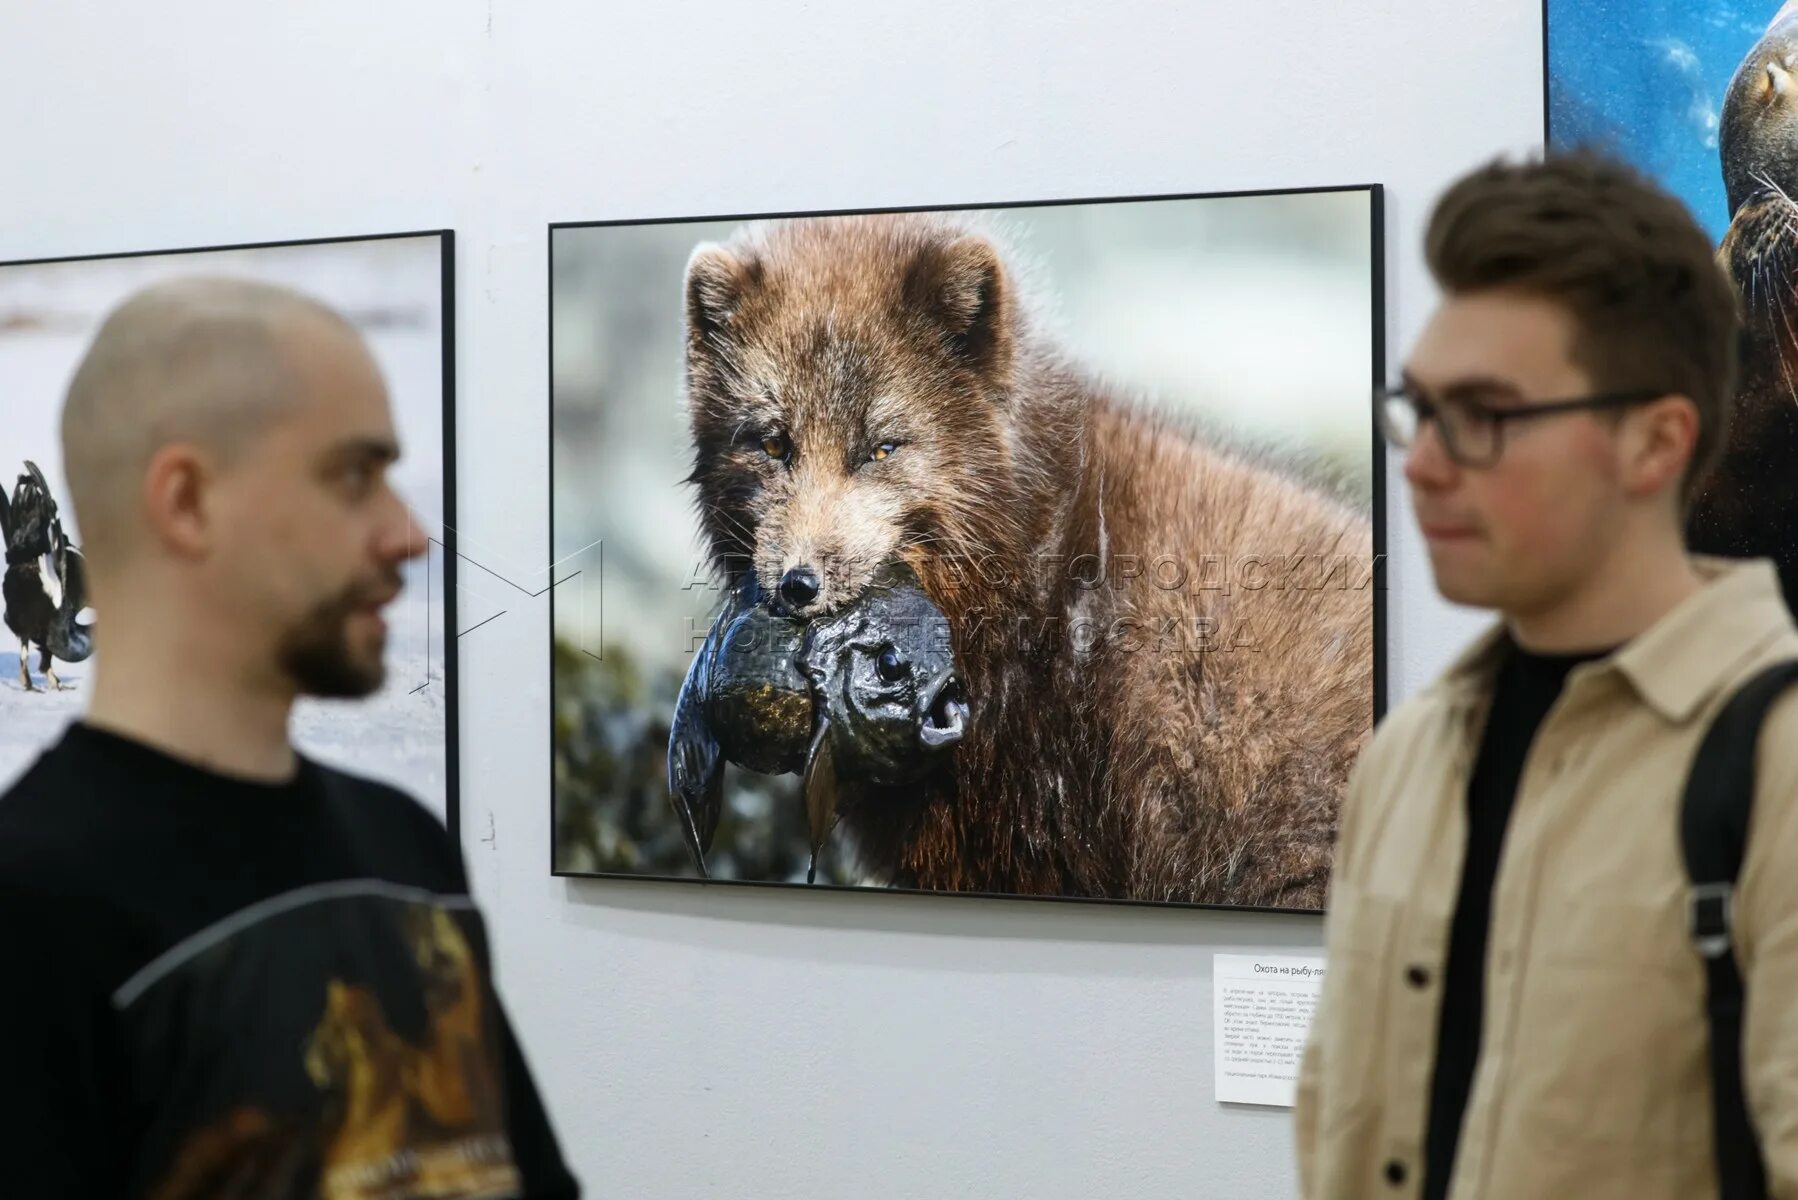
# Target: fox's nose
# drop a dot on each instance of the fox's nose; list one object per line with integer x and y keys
{"x": 799, "y": 586}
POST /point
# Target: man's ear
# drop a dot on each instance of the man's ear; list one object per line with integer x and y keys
{"x": 960, "y": 288}
{"x": 1661, "y": 443}
{"x": 176, "y": 494}
{"x": 718, "y": 281}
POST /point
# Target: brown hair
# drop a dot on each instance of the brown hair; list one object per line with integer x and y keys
{"x": 1651, "y": 306}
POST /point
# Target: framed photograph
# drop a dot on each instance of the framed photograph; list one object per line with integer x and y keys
{"x": 1027, "y": 550}
{"x": 398, "y": 291}
{"x": 1703, "y": 98}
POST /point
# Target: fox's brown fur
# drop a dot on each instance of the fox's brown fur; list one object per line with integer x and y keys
{"x": 1118, "y": 765}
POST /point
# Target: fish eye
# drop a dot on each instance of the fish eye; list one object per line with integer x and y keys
{"x": 891, "y": 667}
{"x": 774, "y": 445}
{"x": 883, "y": 451}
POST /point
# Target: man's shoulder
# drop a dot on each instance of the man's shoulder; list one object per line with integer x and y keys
{"x": 1777, "y": 746}
{"x": 1417, "y": 720}
{"x": 49, "y": 820}
{"x": 1408, "y": 753}
{"x": 366, "y": 789}
{"x": 388, "y": 809}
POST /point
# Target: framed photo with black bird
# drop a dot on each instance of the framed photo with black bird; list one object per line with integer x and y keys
{"x": 397, "y": 290}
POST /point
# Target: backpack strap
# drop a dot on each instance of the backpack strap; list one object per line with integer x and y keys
{"x": 1714, "y": 815}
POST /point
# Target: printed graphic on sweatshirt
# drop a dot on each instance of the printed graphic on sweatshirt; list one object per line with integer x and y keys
{"x": 339, "y": 1042}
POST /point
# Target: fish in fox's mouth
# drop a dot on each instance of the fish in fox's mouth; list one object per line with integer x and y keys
{"x": 886, "y": 671}
{"x": 945, "y": 712}
{"x": 868, "y": 695}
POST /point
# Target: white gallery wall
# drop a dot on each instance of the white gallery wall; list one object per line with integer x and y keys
{"x": 696, "y": 1042}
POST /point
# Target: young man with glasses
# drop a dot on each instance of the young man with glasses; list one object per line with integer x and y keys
{"x": 1513, "y": 1007}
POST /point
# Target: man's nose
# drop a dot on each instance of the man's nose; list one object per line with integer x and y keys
{"x": 1427, "y": 463}
{"x": 404, "y": 538}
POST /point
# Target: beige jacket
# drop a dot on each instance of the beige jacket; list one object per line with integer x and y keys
{"x": 1593, "y": 1080}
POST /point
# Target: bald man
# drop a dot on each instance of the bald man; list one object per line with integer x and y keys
{"x": 231, "y": 971}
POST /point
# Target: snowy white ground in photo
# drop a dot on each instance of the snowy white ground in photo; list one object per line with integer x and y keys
{"x": 31, "y": 721}
{"x": 396, "y": 735}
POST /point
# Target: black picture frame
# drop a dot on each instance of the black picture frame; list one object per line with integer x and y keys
{"x": 447, "y": 540}
{"x": 1377, "y": 253}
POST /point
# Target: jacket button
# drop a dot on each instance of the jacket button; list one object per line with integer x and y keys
{"x": 1417, "y": 977}
{"x": 1395, "y": 1173}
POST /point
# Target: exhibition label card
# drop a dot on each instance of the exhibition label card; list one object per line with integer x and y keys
{"x": 1261, "y": 1009}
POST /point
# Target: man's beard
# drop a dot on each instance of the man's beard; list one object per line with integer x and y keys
{"x": 315, "y": 653}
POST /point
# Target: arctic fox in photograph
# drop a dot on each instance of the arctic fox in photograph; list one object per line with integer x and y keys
{"x": 1167, "y": 644}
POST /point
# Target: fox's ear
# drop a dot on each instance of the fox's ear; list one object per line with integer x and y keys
{"x": 961, "y": 287}
{"x": 717, "y": 282}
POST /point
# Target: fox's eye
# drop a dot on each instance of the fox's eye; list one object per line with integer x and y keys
{"x": 883, "y": 451}
{"x": 774, "y": 445}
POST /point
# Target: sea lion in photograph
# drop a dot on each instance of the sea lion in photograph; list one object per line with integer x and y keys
{"x": 1756, "y": 132}
{"x": 1748, "y": 505}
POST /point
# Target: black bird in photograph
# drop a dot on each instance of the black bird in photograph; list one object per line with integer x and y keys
{"x": 42, "y": 609}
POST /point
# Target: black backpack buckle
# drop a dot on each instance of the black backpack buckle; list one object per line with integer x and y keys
{"x": 1712, "y": 918}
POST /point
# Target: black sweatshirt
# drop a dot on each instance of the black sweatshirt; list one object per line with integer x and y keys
{"x": 221, "y": 988}
{"x": 1526, "y": 688}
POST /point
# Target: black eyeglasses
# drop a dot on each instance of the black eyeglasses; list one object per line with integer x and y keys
{"x": 1472, "y": 433}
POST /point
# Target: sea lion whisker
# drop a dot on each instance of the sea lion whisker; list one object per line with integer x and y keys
{"x": 1772, "y": 190}
{"x": 1782, "y": 240}
{"x": 1775, "y": 311}
{"x": 1785, "y": 367}
{"x": 1777, "y": 190}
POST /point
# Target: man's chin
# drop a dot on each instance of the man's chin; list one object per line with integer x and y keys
{"x": 337, "y": 677}
{"x": 336, "y": 653}
{"x": 342, "y": 687}
{"x": 1458, "y": 585}
{"x": 370, "y": 673}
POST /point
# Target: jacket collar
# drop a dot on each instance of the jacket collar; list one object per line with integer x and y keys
{"x": 1681, "y": 660}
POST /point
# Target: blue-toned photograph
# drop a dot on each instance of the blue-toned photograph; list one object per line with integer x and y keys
{"x": 1702, "y": 95}
{"x": 1646, "y": 79}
